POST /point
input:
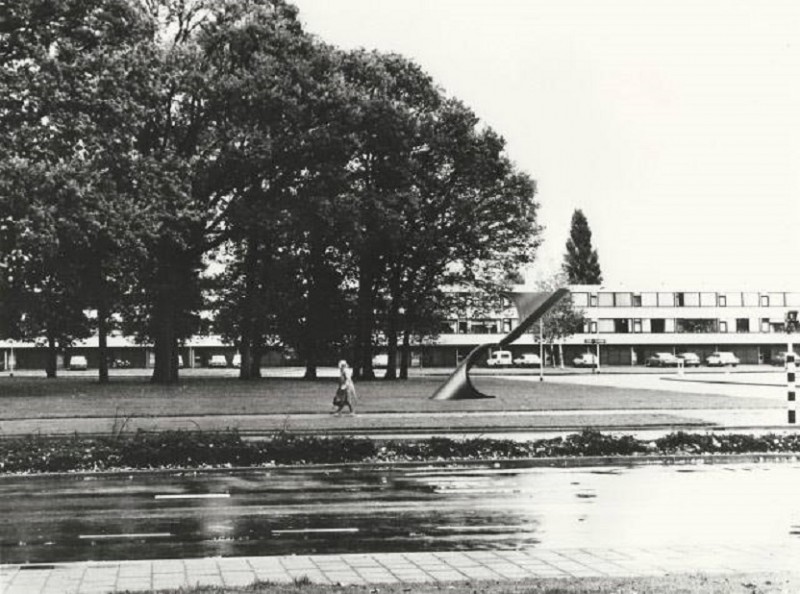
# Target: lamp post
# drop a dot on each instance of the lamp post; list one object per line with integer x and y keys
{"x": 541, "y": 351}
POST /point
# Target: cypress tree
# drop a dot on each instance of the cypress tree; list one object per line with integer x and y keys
{"x": 580, "y": 262}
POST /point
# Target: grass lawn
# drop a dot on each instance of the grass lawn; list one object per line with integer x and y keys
{"x": 34, "y": 398}
{"x": 756, "y": 583}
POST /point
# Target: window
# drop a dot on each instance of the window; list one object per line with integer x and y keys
{"x": 765, "y": 325}
{"x": 593, "y": 327}
{"x": 764, "y": 301}
{"x": 708, "y": 299}
{"x": 606, "y": 325}
{"x": 750, "y": 299}
{"x": 649, "y": 299}
{"x": 679, "y": 300}
{"x": 580, "y": 299}
{"x": 691, "y": 299}
{"x": 722, "y": 301}
{"x": 462, "y": 327}
{"x": 776, "y": 299}
{"x": 622, "y": 299}
{"x": 449, "y": 327}
{"x": 506, "y": 325}
{"x": 637, "y": 326}
{"x": 593, "y": 301}
{"x": 606, "y": 299}
{"x": 695, "y": 325}
{"x": 637, "y": 301}
{"x": 622, "y": 326}
{"x": 723, "y": 326}
{"x": 657, "y": 326}
{"x": 666, "y": 299}
{"x": 742, "y": 325}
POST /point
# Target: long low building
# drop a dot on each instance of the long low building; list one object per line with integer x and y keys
{"x": 634, "y": 324}
{"x": 630, "y": 324}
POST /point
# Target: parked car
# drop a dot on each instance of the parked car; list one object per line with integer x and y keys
{"x": 689, "y": 359}
{"x": 217, "y": 361}
{"x": 77, "y": 362}
{"x": 585, "y": 360}
{"x": 237, "y": 360}
{"x": 528, "y": 360}
{"x": 722, "y": 359}
{"x": 661, "y": 360}
{"x": 120, "y": 363}
{"x": 380, "y": 361}
{"x": 780, "y": 359}
{"x": 500, "y": 359}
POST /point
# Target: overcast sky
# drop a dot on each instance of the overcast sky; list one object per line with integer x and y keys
{"x": 673, "y": 124}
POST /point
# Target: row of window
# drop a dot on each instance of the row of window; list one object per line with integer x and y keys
{"x": 627, "y": 326}
{"x": 683, "y": 325}
{"x": 700, "y": 299}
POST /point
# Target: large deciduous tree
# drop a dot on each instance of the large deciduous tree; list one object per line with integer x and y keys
{"x": 580, "y": 262}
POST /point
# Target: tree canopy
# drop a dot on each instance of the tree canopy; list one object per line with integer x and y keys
{"x": 336, "y": 191}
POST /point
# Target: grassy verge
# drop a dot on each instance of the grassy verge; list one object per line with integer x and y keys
{"x": 183, "y": 449}
{"x": 36, "y": 398}
{"x": 760, "y": 583}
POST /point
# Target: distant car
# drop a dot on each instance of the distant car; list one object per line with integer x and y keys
{"x": 585, "y": 360}
{"x": 661, "y": 360}
{"x": 380, "y": 361}
{"x": 780, "y": 359}
{"x": 689, "y": 359}
{"x": 217, "y": 361}
{"x": 528, "y": 360}
{"x": 77, "y": 363}
{"x": 121, "y": 363}
{"x": 237, "y": 360}
{"x": 722, "y": 359}
{"x": 500, "y": 359}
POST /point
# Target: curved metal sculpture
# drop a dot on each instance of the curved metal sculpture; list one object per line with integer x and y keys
{"x": 531, "y": 307}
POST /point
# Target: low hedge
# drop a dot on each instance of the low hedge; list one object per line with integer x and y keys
{"x": 185, "y": 449}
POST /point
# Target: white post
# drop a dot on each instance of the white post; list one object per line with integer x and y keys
{"x": 791, "y": 392}
{"x": 597, "y": 345}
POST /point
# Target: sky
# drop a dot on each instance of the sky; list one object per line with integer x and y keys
{"x": 673, "y": 124}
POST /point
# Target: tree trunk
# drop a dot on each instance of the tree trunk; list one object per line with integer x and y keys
{"x": 393, "y": 326}
{"x": 405, "y": 354}
{"x": 102, "y": 331}
{"x": 52, "y": 356}
{"x": 246, "y": 367}
{"x": 561, "y": 355}
{"x": 366, "y": 319}
{"x": 165, "y": 340}
{"x": 255, "y": 359}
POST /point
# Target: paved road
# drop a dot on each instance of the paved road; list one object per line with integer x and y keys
{"x": 341, "y": 510}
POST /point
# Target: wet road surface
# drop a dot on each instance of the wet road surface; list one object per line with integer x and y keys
{"x": 423, "y": 508}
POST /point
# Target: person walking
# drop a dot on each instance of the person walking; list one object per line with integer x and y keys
{"x": 346, "y": 392}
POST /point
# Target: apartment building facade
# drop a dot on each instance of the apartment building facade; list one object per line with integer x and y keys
{"x": 631, "y": 324}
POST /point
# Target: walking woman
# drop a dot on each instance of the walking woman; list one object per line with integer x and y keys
{"x": 346, "y": 392}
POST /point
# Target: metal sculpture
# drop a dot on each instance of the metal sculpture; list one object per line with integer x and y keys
{"x": 531, "y": 307}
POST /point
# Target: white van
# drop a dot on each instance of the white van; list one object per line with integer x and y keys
{"x": 77, "y": 362}
{"x": 500, "y": 359}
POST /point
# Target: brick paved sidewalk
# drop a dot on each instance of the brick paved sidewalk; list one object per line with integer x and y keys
{"x": 102, "y": 577}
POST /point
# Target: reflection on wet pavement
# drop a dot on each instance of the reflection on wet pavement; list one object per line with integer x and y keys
{"x": 347, "y": 510}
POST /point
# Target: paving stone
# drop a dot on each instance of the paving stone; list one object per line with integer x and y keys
{"x": 238, "y": 578}
{"x": 162, "y": 581}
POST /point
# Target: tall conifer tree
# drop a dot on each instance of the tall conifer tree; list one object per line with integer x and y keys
{"x": 580, "y": 262}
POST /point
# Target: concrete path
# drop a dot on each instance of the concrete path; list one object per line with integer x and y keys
{"x": 115, "y": 576}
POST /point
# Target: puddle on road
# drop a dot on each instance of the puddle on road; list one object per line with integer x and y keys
{"x": 401, "y": 510}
